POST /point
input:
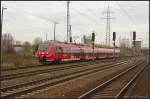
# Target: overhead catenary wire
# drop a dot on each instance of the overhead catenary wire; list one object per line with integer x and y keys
{"x": 44, "y": 18}
{"x": 129, "y": 16}
{"x": 121, "y": 7}
{"x": 131, "y": 19}
{"x": 22, "y": 24}
{"x": 108, "y": 17}
{"x": 37, "y": 15}
{"x": 93, "y": 20}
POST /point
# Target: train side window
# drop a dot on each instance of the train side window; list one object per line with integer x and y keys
{"x": 68, "y": 50}
{"x": 78, "y": 50}
{"x": 60, "y": 49}
{"x": 64, "y": 50}
{"x": 73, "y": 51}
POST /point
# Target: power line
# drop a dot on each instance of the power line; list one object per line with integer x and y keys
{"x": 39, "y": 16}
{"x": 20, "y": 24}
{"x": 82, "y": 14}
{"x": 93, "y": 20}
{"x": 125, "y": 12}
{"x": 85, "y": 16}
{"x": 130, "y": 18}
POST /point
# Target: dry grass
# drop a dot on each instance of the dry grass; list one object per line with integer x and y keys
{"x": 15, "y": 60}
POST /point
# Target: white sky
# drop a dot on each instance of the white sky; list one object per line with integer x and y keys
{"x": 26, "y": 20}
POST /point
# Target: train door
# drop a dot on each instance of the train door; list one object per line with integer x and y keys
{"x": 58, "y": 53}
{"x": 82, "y": 54}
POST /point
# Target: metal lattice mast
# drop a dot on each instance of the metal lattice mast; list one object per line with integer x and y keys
{"x": 108, "y": 26}
{"x": 46, "y": 36}
{"x": 68, "y": 21}
{"x": 108, "y": 17}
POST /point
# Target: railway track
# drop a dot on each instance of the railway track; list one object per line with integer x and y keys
{"x": 23, "y": 73}
{"x": 23, "y": 89}
{"x": 117, "y": 86}
{"x": 35, "y": 72}
{"x": 133, "y": 88}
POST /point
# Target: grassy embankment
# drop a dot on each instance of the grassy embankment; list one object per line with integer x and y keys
{"x": 16, "y": 60}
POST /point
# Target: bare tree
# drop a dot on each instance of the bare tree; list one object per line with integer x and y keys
{"x": 36, "y": 43}
{"x": 7, "y": 43}
{"x": 27, "y": 47}
{"x": 37, "y": 40}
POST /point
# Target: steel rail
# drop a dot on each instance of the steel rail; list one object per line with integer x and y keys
{"x": 18, "y": 75}
{"x": 125, "y": 88}
{"x": 30, "y": 73}
{"x": 35, "y": 66}
{"x": 102, "y": 67}
{"x": 23, "y": 67}
{"x": 59, "y": 79}
{"x": 86, "y": 94}
{"x": 45, "y": 79}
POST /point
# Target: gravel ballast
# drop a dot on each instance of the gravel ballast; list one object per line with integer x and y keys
{"x": 75, "y": 87}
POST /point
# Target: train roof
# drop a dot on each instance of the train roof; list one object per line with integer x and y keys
{"x": 77, "y": 44}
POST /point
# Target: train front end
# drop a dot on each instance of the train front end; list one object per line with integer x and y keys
{"x": 44, "y": 53}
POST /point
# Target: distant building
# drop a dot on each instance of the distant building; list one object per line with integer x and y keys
{"x": 86, "y": 40}
{"x": 124, "y": 47}
{"x": 18, "y": 42}
{"x": 17, "y": 48}
{"x": 136, "y": 49}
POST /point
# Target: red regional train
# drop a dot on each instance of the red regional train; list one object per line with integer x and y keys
{"x": 56, "y": 51}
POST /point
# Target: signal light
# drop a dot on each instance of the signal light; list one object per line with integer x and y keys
{"x": 114, "y": 36}
{"x": 70, "y": 39}
{"x": 134, "y": 35}
{"x": 93, "y": 36}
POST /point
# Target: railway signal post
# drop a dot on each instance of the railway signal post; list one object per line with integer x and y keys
{"x": 3, "y": 8}
{"x": 55, "y": 29}
{"x": 114, "y": 38}
{"x": 70, "y": 35}
{"x": 134, "y": 39}
{"x": 93, "y": 39}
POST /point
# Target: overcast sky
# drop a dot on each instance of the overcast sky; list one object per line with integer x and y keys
{"x": 26, "y": 20}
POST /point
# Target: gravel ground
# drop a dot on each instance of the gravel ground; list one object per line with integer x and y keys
{"x": 76, "y": 87}
{"x": 37, "y": 68}
{"x": 45, "y": 75}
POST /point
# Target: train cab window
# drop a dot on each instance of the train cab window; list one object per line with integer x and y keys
{"x": 58, "y": 50}
{"x": 44, "y": 46}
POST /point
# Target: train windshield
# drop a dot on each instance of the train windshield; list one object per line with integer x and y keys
{"x": 44, "y": 46}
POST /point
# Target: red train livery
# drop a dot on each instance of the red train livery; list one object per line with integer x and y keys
{"x": 59, "y": 51}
